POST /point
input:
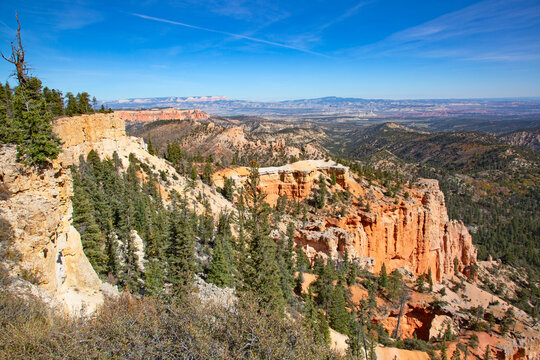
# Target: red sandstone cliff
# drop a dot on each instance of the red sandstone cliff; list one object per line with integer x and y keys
{"x": 414, "y": 232}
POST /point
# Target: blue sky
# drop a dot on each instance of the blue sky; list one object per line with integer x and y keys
{"x": 274, "y": 50}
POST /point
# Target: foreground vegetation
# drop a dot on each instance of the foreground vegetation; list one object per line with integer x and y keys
{"x": 145, "y": 328}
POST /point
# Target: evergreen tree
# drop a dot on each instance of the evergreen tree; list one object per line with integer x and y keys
{"x": 151, "y": 149}
{"x": 30, "y": 127}
{"x": 320, "y": 196}
{"x": 315, "y": 321}
{"x": 299, "y": 282}
{"x": 444, "y": 355}
{"x": 430, "y": 280}
{"x": 72, "y": 107}
{"x": 507, "y": 321}
{"x": 302, "y": 262}
{"x": 83, "y": 102}
{"x": 383, "y": 277}
{"x": 456, "y": 355}
{"x": 287, "y": 267}
{"x": 91, "y": 237}
{"x": 181, "y": 251}
{"x": 337, "y": 313}
{"x": 228, "y": 189}
{"x": 333, "y": 179}
{"x": 207, "y": 173}
{"x": 324, "y": 285}
{"x": 420, "y": 283}
{"x": 220, "y": 272}
{"x": 154, "y": 278}
{"x": 262, "y": 273}
{"x": 487, "y": 354}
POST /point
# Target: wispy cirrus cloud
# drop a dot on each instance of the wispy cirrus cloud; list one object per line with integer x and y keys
{"x": 62, "y": 15}
{"x": 347, "y": 14}
{"x": 240, "y": 36}
{"x": 490, "y": 30}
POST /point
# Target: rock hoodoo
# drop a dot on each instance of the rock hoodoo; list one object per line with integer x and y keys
{"x": 413, "y": 232}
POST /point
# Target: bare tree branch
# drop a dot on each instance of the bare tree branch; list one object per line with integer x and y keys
{"x": 17, "y": 56}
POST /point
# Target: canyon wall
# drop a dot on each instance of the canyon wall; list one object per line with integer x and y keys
{"x": 39, "y": 243}
{"x": 413, "y": 231}
{"x": 105, "y": 134}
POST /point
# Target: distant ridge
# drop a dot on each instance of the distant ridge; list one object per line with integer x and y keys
{"x": 354, "y": 108}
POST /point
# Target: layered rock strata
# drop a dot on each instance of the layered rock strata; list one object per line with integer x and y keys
{"x": 39, "y": 242}
{"x": 412, "y": 232}
{"x": 161, "y": 114}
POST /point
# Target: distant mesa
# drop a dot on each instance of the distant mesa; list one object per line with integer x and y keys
{"x": 174, "y": 99}
{"x": 143, "y": 116}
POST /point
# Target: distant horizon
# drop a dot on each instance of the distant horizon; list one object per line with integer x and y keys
{"x": 227, "y": 98}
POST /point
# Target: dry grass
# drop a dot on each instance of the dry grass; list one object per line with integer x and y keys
{"x": 129, "y": 328}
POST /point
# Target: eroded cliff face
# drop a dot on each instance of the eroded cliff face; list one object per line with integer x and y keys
{"x": 161, "y": 114}
{"x": 39, "y": 243}
{"x": 414, "y": 232}
{"x": 105, "y": 134}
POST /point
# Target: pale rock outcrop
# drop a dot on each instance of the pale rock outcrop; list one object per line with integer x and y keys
{"x": 105, "y": 134}
{"x": 45, "y": 248}
{"x": 161, "y": 114}
{"x": 210, "y": 293}
{"x": 138, "y": 244}
{"x": 439, "y": 325}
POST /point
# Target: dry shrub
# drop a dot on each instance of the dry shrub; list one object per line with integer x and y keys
{"x": 130, "y": 328}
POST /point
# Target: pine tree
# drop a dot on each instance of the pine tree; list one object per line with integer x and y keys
{"x": 287, "y": 267}
{"x": 91, "y": 237}
{"x": 337, "y": 313}
{"x": 430, "y": 280}
{"x": 31, "y": 127}
{"x": 324, "y": 285}
{"x": 154, "y": 278}
{"x": 507, "y": 321}
{"x": 83, "y": 102}
{"x": 315, "y": 321}
{"x": 444, "y": 355}
{"x": 456, "y": 355}
{"x": 383, "y": 277}
{"x": 333, "y": 179}
{"x": 151, "y": 149}
{"x": 420, "y": 284}
{"x": 220, "y": 271}
{"x": 207, "y": 173}
{"x": 228, "y": 189}
{"x": 72, "y": 107}
{"x": 320, "y": 196}
{"x": 181, "y": 249}
{"x": 302, "y": 262}
{"x": 487, "y": 354}
{"x": 262, "y": 278}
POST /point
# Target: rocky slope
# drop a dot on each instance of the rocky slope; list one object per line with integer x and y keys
{"x": 411, "y": 231}
{"x": 529, "y": 138}
{"x": 105, "y": 134}
{"x": 226, "y": 140}
{"x": 39, "y": 242}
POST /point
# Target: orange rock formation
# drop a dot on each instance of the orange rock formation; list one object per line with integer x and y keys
{"x": 414, "y": 233}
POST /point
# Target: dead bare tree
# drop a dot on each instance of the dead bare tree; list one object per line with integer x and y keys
{"x": 403, "y": 299}
{"x": 17, "y": 56}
